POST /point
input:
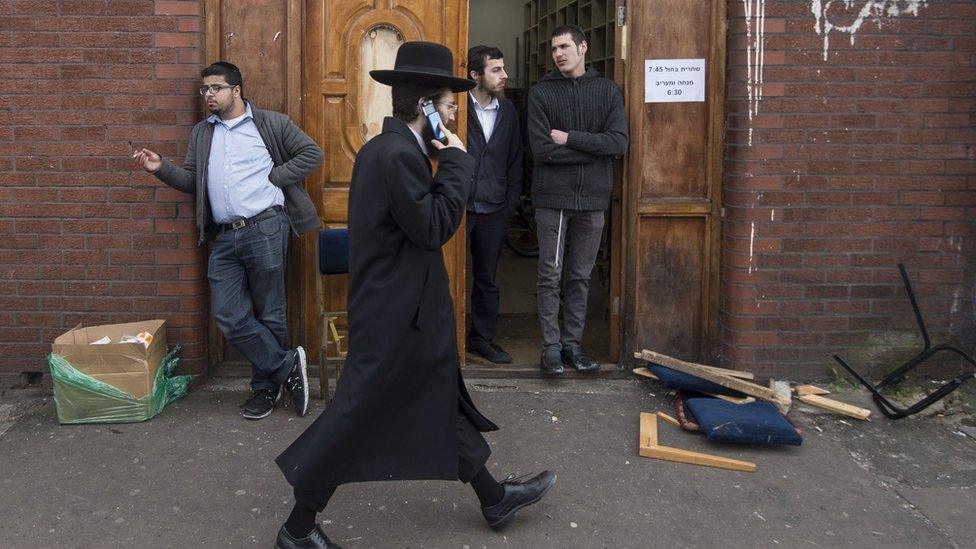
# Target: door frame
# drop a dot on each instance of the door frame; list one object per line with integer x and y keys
{"x": 302, "y": 269}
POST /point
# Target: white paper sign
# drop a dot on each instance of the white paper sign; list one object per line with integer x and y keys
{"x": 674, "y": 80}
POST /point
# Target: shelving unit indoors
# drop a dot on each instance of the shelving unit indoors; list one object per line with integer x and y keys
{"x": 595, "y": 17}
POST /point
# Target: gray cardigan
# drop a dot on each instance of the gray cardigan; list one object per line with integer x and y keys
{"x": 579, "y": 174}
{"x": 293, "y": 152}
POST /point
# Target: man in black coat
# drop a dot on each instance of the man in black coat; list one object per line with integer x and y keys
{"x": 495, "y": 142}
{"x": 401, "y": 411}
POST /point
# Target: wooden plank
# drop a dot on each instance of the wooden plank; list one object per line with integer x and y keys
{"x": 801, "y": 390}
{"x": 648, "y": 447}
{"x": 668, "y": 419}
{"x": 714, "y": 162}
{"x": 648, "y": 429}
{"x": 733, "y": 400}
{"x": 836, "y": 406}
{"x": 732, "y": 373}
{"x": 729, "y": 382}
{"x": 782, "y": 388}
{"x": 696, "y": 458}
{"x": 645, "y": 372}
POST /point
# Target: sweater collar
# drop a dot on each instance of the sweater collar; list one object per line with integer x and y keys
{"x": 554, "y": 74}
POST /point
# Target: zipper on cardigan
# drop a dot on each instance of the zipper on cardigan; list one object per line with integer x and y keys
{"x": 579, "y": 167}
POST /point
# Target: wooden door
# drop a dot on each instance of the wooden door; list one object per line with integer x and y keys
{"x": 344, "y": 107}
{"x": 263, "y": 38}
{"x": 672, "y": 205}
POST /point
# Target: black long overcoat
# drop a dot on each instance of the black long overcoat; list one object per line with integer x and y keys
{"x": 394, "y": 415}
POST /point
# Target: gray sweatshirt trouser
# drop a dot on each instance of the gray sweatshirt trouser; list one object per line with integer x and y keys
{"x": 568, "y": 239}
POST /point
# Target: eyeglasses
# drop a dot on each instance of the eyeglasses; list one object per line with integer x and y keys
{"x": 453, "y": 107}
{"x": 213, "y": 88}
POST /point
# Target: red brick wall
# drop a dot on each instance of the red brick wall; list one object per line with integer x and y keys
{"x": 85, "y": 238}
{"x": 856, "y": 163}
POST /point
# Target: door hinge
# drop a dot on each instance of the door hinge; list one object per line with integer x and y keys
{"x": 615, "y": 306}
{"x": 621, "y": 16}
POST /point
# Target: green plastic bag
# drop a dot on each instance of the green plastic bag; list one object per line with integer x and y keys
{"x": 81, "y": 398}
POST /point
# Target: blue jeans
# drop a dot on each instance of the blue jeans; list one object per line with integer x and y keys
{"x": 247, "y": 273}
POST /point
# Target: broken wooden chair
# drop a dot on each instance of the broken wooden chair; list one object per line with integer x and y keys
{"x": 889, "y": 408}
{"x": 333, "y": 260}
{"x": 648, "y": 447}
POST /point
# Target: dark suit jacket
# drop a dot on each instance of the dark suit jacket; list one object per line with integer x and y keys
{"x": 497, "y": 178}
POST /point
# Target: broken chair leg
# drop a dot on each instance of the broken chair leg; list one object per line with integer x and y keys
{"x": 649, "y": 447}
{"x": 889, "y": 408}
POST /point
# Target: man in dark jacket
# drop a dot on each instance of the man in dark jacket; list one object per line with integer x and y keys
{"x": 576, "y": 125}
{"x": 495, "y": 142}
{"x": 401, "y": 410}
{"x": 246, "y": 166}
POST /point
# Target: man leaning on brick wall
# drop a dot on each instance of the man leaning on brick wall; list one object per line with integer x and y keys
{"x": 245, "y": 166}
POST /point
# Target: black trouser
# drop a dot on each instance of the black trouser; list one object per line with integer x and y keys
{"x": 486, "y": 236}
{"x": 473, "y": 452}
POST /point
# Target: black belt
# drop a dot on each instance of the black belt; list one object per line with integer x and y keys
{"x": 245, "y": 222}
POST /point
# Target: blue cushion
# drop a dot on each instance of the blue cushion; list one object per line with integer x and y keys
{"x": 334, "y": 251}
{"x": 755, "y": 423}
{"x": 673, "y": 379}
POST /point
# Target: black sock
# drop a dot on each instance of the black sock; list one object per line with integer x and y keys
{"x": 300, "y": 522}
{"x": 488, "y": 489}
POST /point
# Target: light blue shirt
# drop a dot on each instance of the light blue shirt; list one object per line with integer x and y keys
{"x": 238, "y": 170}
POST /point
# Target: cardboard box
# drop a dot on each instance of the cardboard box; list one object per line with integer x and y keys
{"x": 130, "y": 367}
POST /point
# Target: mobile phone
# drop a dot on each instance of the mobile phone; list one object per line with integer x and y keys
{"x": 434, "y": 119}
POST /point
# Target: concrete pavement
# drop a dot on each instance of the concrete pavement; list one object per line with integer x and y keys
{"x": 199, "y": 475}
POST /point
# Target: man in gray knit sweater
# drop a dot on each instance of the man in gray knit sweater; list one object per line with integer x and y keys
{"x": 576, "y": 125}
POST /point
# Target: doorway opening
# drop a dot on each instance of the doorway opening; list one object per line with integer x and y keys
{"x": 521, "y": 30}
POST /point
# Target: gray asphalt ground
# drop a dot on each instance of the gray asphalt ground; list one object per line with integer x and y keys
{"x": 199, "y": 475}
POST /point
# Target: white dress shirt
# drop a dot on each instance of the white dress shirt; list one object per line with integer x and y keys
{"x": 486, "y": 115}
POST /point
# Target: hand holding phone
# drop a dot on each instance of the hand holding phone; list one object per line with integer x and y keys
{"x": 450, "y": 140}
{"x": 434, "y": 120}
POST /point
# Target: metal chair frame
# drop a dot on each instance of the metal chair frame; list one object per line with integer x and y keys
{"x": 887, "y": 407}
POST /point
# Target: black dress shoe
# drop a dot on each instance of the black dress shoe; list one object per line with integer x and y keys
{"x": 297, "y": 383}
{"x": 578, "y": 359}
{"x": 316, "y": 539}
{"x": 260, "y": 404}
{"x": 491, "y": 352}
{"x": 518, "y": 494}
{"x": 550, "y": 362}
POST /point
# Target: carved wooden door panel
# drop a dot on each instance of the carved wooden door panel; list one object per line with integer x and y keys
{"x": 344, "y": 107}
{"x": 672, "y": 204}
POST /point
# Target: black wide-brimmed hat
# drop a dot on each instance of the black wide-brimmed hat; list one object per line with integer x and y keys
{"x": 423, "y": 63}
